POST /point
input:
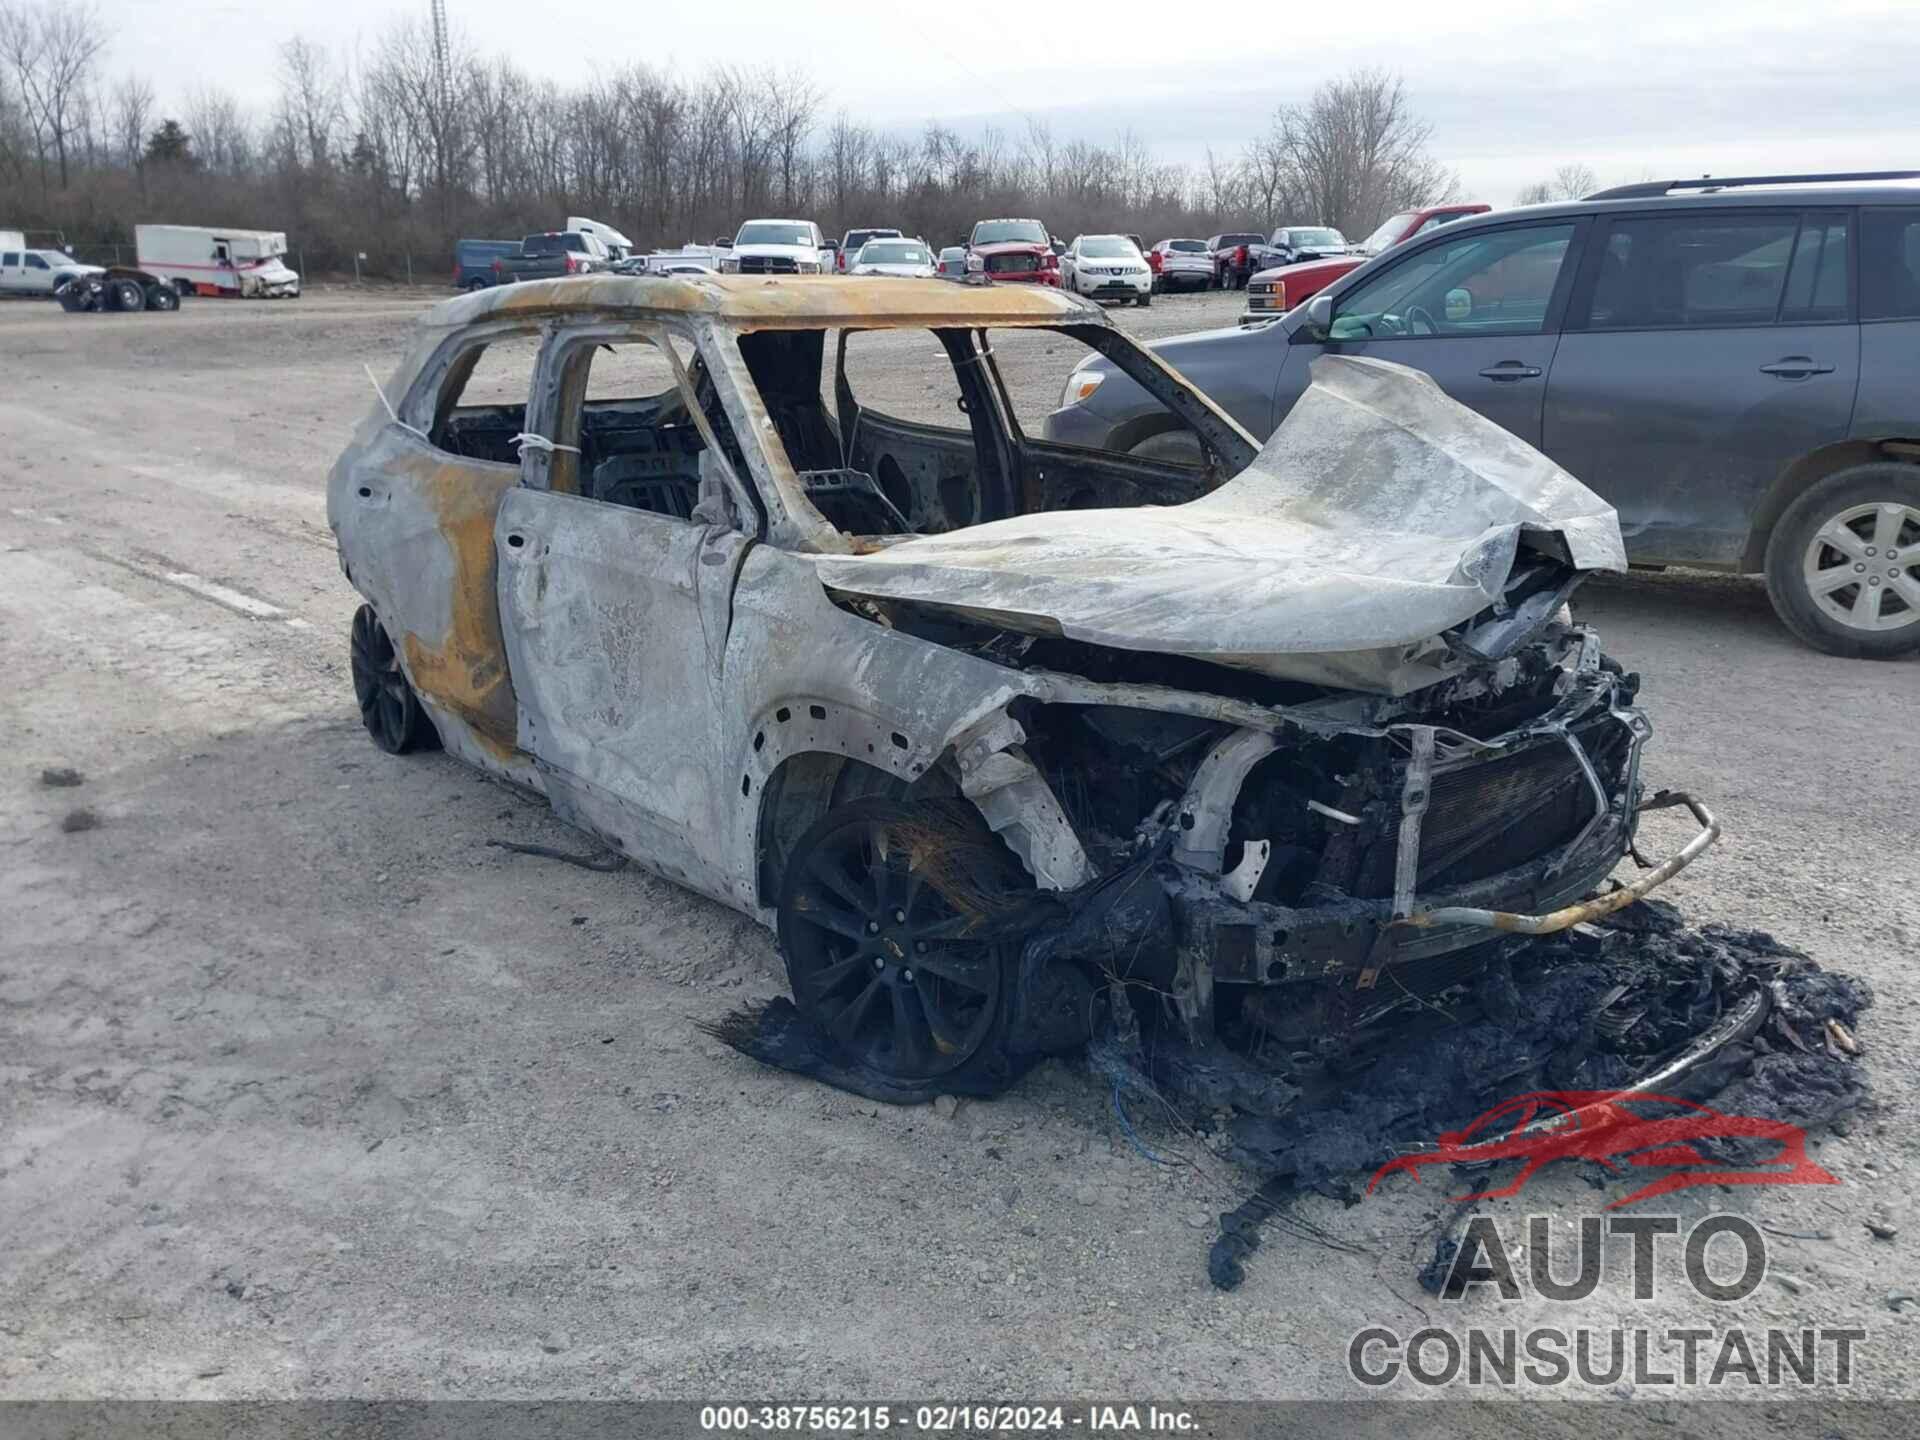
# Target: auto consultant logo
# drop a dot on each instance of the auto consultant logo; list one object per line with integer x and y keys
{"x": 1655, "y": 1145}
{"x": 1626, "y": 1134}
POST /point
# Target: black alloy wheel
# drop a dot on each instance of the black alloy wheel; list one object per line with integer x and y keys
{"x": 886, "y": 923}
{"x": 388, "y": 707}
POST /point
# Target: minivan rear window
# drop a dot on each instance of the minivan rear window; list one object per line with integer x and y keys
{"x": 1817, "y": 282}
{"x": 1889, "y": 264}
{"x": 1693, "y": 271}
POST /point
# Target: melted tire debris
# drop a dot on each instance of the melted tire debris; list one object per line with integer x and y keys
{"x": 1594, "y": 1011}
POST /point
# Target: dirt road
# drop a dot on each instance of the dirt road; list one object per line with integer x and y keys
{"x": 305, "y": 1091}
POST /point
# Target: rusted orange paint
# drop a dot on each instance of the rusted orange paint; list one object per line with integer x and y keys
{"x": 467, "y": 671}
{"x": 767, "y": 302}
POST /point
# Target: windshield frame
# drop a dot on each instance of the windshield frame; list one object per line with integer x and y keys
{"x": 1309, "y": 237}
{"x": 1018, "y": 232}
{"x": 801, "y": 236}
{"x": 913, "y": 249}
{"x": 1111, "y": 247}
{"x": 1387, "y": 233}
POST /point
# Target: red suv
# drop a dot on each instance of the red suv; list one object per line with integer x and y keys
{"x": 1276, "y": 291}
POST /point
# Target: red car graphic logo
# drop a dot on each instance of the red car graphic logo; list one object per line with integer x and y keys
{"x": 1609, "y": 1128}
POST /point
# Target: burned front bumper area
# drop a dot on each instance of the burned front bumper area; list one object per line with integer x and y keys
{"x": 1320, "y": 853}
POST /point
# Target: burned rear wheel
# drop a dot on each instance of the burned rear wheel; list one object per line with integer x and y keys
{"x": 891, "y": 920}
{"x": 388, "y": 707}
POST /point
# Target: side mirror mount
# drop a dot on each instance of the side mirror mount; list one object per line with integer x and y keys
{"x": 1319, "y": 318}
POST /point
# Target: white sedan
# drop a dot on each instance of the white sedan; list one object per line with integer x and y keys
{"x": 1107, "y": 267}
{"x": 894, "y": 257}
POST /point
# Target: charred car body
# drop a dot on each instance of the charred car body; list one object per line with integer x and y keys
{"x": 983, "y": 724}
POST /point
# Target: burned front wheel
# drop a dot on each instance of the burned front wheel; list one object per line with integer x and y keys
{"x": 894, "y": 921}
{"x": 388, "y": 707}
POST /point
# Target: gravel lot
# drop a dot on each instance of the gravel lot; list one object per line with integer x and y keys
{"x": 308, "y": 1093}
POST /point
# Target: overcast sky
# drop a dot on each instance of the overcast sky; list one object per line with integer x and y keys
{"x": 1512, "y": 91}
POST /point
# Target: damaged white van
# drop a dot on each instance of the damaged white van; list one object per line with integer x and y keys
{"x": 986, "y": 726}
{"x": 197, "y": 261}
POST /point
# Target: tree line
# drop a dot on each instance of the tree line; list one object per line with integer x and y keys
{"x": 398, "y": 150}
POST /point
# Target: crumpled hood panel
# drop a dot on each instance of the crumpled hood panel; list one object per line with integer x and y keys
{"x": 1380, "y": 514}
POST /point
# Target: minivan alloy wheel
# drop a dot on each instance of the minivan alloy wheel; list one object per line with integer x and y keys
{"x": 1862, "y": 567}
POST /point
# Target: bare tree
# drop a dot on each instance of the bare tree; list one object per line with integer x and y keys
{"x": 311, "y": 111}
{"x": 222, "y": 135}
{"x": 1572, "y": 181}
{"x": 51, "y": 49}
{"x": 15, "y": 137}
{"x": 1222, "y": 186}
{"x": 1042, "y": 155}
{"x": 793, "y": 100}
{"x": 848, "y": 161}
{"x": 1355, "y": 152}
{"x": 130, "y": 118}
{"x": 1268, "y": 179}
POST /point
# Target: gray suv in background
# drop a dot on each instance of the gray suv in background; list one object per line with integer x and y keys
{"x": 1733, "y": 364}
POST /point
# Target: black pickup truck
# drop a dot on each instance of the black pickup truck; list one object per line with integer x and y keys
{"x": 1293, "y": 243}
{"x": 551, "y": 255}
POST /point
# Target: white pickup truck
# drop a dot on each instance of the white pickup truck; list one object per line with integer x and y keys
{"x": 38, "y": 273}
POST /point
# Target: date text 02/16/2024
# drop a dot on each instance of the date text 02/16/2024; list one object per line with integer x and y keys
{"x": 945, "y": 1419}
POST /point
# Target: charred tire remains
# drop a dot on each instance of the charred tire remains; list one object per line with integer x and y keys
{"x": 1843, "y": 565}
{"x": 894, "y": 923}
{"x": 388, "y": 707}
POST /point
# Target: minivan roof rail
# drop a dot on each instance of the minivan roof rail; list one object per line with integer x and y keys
{"x": 1648, "y": 188}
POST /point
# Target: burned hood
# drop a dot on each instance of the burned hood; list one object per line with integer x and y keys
{"x": 1379, "y": 515}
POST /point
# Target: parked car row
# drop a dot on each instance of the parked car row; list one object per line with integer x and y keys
{"x": 1297, "y": 274}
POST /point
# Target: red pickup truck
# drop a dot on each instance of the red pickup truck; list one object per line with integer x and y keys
{"x": 1276, "y": 291}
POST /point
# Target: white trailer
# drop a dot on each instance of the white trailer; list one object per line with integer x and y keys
{"x": 618, "y": 245}
{"x": 13, "y": 239}
{"x": 198, "y": 261}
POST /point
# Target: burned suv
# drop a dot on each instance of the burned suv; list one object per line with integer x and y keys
{"x": 985, "y": 725}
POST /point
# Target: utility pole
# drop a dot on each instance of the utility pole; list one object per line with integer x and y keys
{"x": 443, "y": 98}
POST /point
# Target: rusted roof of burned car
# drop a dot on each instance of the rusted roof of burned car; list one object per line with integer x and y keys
{"x": 778, "y": 302}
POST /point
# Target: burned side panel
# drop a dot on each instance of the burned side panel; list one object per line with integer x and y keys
{"x": 605, "y": 610}
{"x": 803, "y": 676}
{"x": 415, "y": 527}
